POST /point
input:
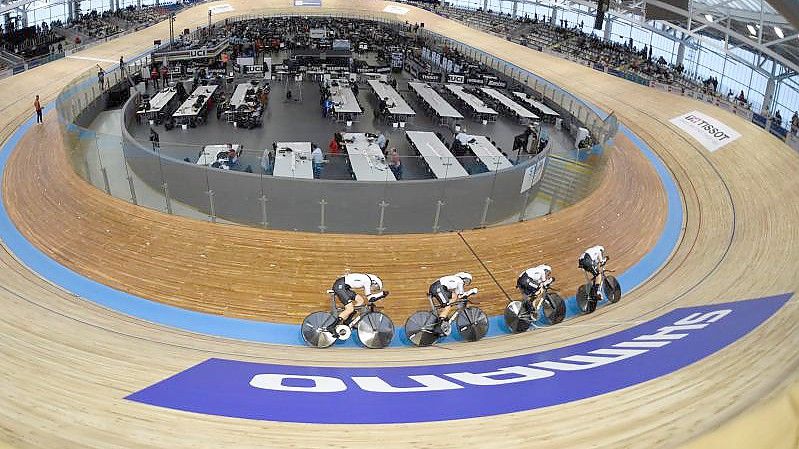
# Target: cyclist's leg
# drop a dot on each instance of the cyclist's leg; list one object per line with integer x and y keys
{"x": 349, "y": 308}
{"x": 346, "y": 296}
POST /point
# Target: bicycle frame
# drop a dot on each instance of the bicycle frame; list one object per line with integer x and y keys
{"x": 358, "y": 310}
{"x": 589, "y": 281}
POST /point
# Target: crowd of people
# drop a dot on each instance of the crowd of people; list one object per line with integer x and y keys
{"x": 568, "y": 38}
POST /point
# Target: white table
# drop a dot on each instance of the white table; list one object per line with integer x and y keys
{"x": 187, "y": 109}
{"x": 237, "y": 99}
{"x": 208, "y": 154}
{"x": 441, "y": 162}
{"x": 383, "y": 90}
{"x": 366, "y": 159}
{"x": 443, "y": 110}
{"x": 477, "y": 105}
{"x": 345, "y": 105}
{"x": 520, "y": 111}
{"x": 293, "y": 160}
{"x": 544, "y": 109}
{"x": 488, "y": 154}
{"x": 159, "y": 101}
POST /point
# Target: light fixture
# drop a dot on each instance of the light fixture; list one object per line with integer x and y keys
{"x": 709, "y": 18}
{"x": 779, "y": 33}
{"x": 751, "y": 29}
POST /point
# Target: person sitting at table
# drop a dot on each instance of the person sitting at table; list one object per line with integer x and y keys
{"x": 395, "y": 164}
{"x": 333, "y": 147}
{"x": 232, "y": 157}
{"x": 382, "y": 142}
{"x": 327, "y": 106}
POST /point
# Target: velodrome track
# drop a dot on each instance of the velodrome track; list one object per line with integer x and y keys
{"x": 68, "y": 364}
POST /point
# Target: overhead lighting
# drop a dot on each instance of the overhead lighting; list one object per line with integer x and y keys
{"x": 751, "y": 29}
{"x": 709, "y": 17}
{"x": 779, "y": 33}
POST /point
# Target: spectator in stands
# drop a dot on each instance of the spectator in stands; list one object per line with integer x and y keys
{"x": 795, "y": 123}
{"x": 121, "y": 64}
{"x": 38, "y": 107}
{"x": 742, "y": 98}
{"x": 778, "y": 118}
{"x": 318, "y": 160}
{"x": 154, "y": 77}
{"x": 101, "y": 77}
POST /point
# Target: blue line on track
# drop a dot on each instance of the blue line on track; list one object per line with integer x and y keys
{"x": 288, "y": 334}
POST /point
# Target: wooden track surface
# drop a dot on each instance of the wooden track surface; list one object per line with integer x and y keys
{"x": 281, "y": 275}
{"x": 67, "y": 364}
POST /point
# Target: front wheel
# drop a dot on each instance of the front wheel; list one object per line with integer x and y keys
{"x": 554, "y": 308}
{"x": 314, "y": 329}
{"x": 472, "y": 323}
{"x": 375, "y": 330}
{"x": 517, "y": 316}
{"x": 611, "y": 289}
{"x": 586, "y": 303}
{"x": 420, "y": 328}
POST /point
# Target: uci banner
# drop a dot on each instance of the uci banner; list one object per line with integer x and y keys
{"x": 711, "y": 133}
{"x": 405, "y": 394}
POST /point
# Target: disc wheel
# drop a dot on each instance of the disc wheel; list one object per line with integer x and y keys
{"x": 375, "y": 330}
{"x": 611, "y": 289}
{"x": 554, "y": 308}
{"x": 472, "y": 323}
{"x": 586, "y": 303}
{"x": 314, "y": 329}
{"x": 517, "y": 318}
{"x": 419, "y": 328}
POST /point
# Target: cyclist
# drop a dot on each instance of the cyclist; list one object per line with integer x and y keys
{"x": 591, "y": 261}
{"x": 442, "y": 290}
{"x": 530, "y": 282}
{"x": 343, "y": 289}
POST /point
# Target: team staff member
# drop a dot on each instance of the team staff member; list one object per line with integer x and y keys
{"x": 38, "y": 107}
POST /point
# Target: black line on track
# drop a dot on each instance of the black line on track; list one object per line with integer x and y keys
{"x": 460, "y": 234}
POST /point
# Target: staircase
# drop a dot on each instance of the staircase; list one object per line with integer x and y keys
{"x": 565, "y": 182}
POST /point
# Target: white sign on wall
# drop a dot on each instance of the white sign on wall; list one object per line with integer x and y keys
{"x": 533, "y": 174}
{"x": 399, "y": 10}
{"x": 219, "y": 9}
{"x": 711, "y": 133}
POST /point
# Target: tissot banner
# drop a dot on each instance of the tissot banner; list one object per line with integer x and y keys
{"x": 711, "y": 133}
{"x": 404, "y": 394}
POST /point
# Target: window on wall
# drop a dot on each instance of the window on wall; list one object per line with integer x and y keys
{"x": 787, "y": 98}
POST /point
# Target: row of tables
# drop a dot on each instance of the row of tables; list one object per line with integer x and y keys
{"x": 160, "y": 104}
{"x": 398, "y": 106}
{"x": 345, "y": 104}
{"x": 195, "y": 104}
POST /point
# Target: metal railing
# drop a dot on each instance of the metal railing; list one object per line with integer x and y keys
{"x": 160, "y": 177}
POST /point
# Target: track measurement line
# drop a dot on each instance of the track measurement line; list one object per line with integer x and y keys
{"x": 484, "y": 266}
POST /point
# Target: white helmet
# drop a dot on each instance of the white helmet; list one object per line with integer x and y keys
{"x": 377, "y": 283}
{"x": 466, "y": 277}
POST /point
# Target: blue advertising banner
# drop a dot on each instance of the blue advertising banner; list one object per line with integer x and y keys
{"x": 407, "y": 394}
